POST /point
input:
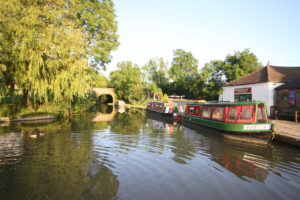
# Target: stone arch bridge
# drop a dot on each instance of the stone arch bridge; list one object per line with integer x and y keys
{"x": 110, "y": 92}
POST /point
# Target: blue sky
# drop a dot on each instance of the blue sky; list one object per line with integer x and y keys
{"x": 209, "y": 29}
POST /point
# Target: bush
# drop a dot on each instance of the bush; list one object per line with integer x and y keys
{"x": 166, "y": 98}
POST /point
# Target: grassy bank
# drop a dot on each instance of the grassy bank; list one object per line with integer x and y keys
{"x": 14, "y": 107}
{"x": 140, "y": 105}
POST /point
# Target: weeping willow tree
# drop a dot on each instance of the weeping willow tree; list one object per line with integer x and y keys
{"x": 2, "y": 78}
{"x": 47, "y": 47}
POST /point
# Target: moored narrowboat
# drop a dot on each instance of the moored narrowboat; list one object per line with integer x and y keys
{"x": 169, "y": 109}
{"x": 245, "y": 118}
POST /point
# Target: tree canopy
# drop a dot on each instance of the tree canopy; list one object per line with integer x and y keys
{"x": 127, "y": 82}
{"x": 183, "y": 64}
{"x": 99, "y": 22}
{"x": 183, "y": 71}
{"x": 156, "y": 70}
{"x": 240, "y": 64}
{"x": 210, "y": 80}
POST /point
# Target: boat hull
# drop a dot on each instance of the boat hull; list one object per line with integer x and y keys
{"x": 231, "y": 130}
{"x": 168, "y": 116}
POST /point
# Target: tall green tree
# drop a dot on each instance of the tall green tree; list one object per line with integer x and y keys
{"x": 210, "y": 81}
{"x": 98, "y": 20}
{"x": 240, "y": 64}
{"x": 183, "y": 64}
{"x": 156, "y": 70}
{"x": 183, "y": 70}
{"x": 127, "y": 82}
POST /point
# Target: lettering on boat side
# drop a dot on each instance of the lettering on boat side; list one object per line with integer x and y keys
{"x": 258, "y": 127}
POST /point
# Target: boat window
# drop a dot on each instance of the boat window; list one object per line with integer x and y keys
{"x": 260, "y": 114}
{"x": 191, "y": 110}
{"x": 231, "y": 113}
{"x": 218, "y": 113}
{"x": 197, "y": 110}
{"x": 186, "y": 110}
{"x": 246, "y": 114}
{"x": 206, "y": 112}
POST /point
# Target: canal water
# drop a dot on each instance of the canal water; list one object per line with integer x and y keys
{"x": 128, "y": 155}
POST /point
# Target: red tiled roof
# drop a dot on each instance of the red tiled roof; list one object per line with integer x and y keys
{"x": 268, "y": 74}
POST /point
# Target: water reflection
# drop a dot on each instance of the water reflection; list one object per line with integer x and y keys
{"x": 182, "y": 148}
{"x": 10, "y": 148}
{"x": 107, "y": 112}
{"x": 168, "y": 128}
{"x": 134, "y": 156}
{"x": 241, "y": 159}
{"x": 128, "y": 123}
{"x": 106, "y": 109}
{"x": 245, "y": 159}
{"x": 52, "y": 162}
{"x": 121, "y": 109}
{"x": 242, "y": 163}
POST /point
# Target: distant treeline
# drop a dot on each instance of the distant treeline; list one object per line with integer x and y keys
{"x": 183, "y": 77}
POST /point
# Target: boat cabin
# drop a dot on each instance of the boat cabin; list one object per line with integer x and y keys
{"x": 157, "y": 106}
{"x": 160, "y": 106}
{"x": 242, "y": 112}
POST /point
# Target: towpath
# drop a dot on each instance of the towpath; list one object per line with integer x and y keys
{"x": 287, "y": 131}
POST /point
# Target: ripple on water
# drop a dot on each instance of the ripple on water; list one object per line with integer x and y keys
{"x": 11, "y": 148}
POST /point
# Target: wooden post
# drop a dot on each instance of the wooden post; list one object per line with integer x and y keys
{"x": 296, "y": 116}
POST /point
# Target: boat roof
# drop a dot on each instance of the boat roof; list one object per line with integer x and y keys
{"x": 227, "y": 103}
{"x": 156, "y": 102}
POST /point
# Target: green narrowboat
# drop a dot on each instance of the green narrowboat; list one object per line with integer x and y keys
{"x": 169, "y": 110}
{"x": 239, "y": 117}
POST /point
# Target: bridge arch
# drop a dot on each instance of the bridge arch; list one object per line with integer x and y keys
{"x": 103, "y": 115}
{"x": 105, "y": 91}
